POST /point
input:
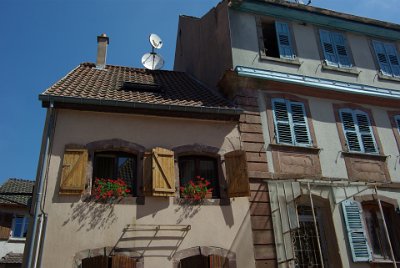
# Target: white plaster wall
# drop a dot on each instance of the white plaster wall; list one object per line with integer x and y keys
{"x": 7, "y": 247}
{"x": 245, "y": 52}
{"x": 74, "y": 225}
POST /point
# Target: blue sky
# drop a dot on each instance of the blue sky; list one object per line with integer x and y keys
{"x": 41, "y": 41}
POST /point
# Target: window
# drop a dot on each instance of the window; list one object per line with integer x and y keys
{"x": 290, "y": 122}
{"x": 276, "y": 40}
{"x": 203, "y": 166}
{"x": 366, "y": 232}
{"x": 113, "y": 165}
{"x": 358, "y": 131}
{"x": 397, "y": 120}
{"x": 336, "y": 51}
{"x": 387, "y": 57}
{"x": 19, "y": 227}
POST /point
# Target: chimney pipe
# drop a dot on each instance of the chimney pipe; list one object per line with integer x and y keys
{"x": 102, "y": 42}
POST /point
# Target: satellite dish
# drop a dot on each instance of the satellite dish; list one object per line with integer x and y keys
{"x": 152, "y": 61}
{"x": 155, "y": 41}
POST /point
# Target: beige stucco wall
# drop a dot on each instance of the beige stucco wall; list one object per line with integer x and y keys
{"x": 74, "y": 226}
{"x": 245, "y": 52}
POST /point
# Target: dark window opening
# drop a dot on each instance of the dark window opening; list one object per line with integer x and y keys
{"x": 271, "y": 47}
{"x": 200, "y": 261}
{"x": 206, "y": 167}
{"x": 114, "y": 165}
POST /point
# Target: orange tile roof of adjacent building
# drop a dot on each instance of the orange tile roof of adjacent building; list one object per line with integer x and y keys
{"x": 151, "y": 87}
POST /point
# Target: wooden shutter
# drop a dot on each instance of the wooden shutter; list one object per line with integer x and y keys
{"x": 365, "y": 132}
{"x": 236, "y": 173}
{"x": 382, "y": 57}
{"x": 356, "y": 231}
{"x": 284, "y": 42}
{"x": 5, "y": 226}
{"x": 283, "y": 131}
{"x": 147, "y": 174}
{"x": 163, "y": 172}
{"x": 300, "y": 127}
{"x": 4, "y": 232}
{"x": 217, "y": 261}
{"x": 393, "y": 57}
{"x": 73, "y": 176}
{"x": 121, "y": 261}
{"x": 328, "y": 48}
{"x": 350, "y": 131}
{"x": 95, "y": 262}
{"x": 341, "y": 50}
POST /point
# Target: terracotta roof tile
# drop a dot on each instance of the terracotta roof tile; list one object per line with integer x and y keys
{"x": 16, "y": 192}
{"x": 145, "y": 86}
{"x": 12, "y": 257}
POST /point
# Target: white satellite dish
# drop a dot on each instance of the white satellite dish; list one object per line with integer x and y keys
{"x": 155, "y": 41}
{"x": 152, "y": 61}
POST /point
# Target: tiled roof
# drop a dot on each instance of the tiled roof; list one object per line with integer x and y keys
{"x": 16, "y": 192}
{"x": 135, "y": 85}
{"x": 12, "y": 258}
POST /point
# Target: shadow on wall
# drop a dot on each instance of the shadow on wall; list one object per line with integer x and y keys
{"x": 91, "y": 215}
{"x": 187, "y": 210}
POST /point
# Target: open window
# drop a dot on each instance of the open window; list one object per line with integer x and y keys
{"x": 275, "y": 39}
{"x": 116, "y": 165}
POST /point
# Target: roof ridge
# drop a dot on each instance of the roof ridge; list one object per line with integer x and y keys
{"x": 91, "y": 64}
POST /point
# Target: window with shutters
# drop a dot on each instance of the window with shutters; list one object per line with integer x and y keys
{"x": 358, "y": 131}
{"x": 276, "y": 40}
{"x": 191, "y": 166}
{"x": 114, "y": 165}
{"x": 387, "y": 57}
{"x": 290, "y": 121}
{"x": 20, "y": 226}
{"x": 335, "y": 49}
{"x": 395, "y": 121}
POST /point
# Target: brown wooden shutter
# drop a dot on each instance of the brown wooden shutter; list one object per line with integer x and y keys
{"x": 4, "y": 233}
{"x": 73, "y": 177}
{"x": 163, "y": 172}
{"x": 236, "y": 173}
{"x": 95, "y": 262}
{"x": 217, "y": 261}
{"x": 147, "y": 174}
{"x": 121, "y": 261}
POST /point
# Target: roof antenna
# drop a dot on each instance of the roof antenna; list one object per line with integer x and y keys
{"x": 152, "y": 60}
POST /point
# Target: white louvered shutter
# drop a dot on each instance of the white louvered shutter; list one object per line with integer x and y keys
{"x": 328, "y": 48}
{"x": 350, "y": 131}
{"x": 356, "y": 231}
{"x": 365, "y": 132}
{"x": 341, "y": 50}
{"x": 282, "y": 123}
{"x": 299, "y": 122}
{"x": 284, "y": 42}
{"x": 393, "y": 59}
{"x": 382, "y": 57}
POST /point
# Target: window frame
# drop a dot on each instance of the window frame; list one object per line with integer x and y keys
{"x": 117, "y": 154}
{"x": 338, "y": 65}
{"x": 263, "y": 56}
{"x": 394, "y": 117}
{"x": 197, "y": 158}
{"x": 25, "y": 224}
{"x": 382, "y": 73}
{"x": 271, "y": 119}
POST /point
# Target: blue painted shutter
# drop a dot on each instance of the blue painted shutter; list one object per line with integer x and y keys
{"x": 393, "y": 59}
{"x": 382, "y": 57}
{"x": 350, "y": 131}
{"x": 282, "y": 124}
{"x": 365, "y": 132}
{"x": 356, "y": 232}
{"x": 397, "y": 119}
{"x": 341, "y": 50}
{"x": 328, "y": 48}
{"x": 300, "y": 126}
{"x": 284, "y": 42}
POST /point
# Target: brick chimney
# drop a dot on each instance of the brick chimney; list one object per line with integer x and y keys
{"x": 102, "y": 43}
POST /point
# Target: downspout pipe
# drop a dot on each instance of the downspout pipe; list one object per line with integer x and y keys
{"x": 40, "y": 182}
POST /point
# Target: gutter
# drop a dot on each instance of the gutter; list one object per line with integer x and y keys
{"x": 319, "y": 83}
{"x": 141, "y": 105}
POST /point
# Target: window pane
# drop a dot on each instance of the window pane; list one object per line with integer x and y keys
{"x": 18, "y": 227}
{"x": 208, "y": 171}
{"x": 26, "y": 227}
{"x": 186, "y": 170}
{"x": 104, "y": 167}
{"x": 126, "y": 170}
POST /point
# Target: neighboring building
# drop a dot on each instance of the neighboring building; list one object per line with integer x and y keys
{"x": 156, "y": 130}
{"x": 15, "y": 199}
{"x": 321, "y": 94}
